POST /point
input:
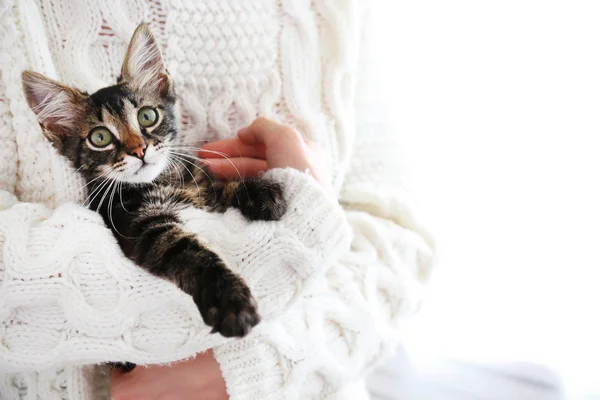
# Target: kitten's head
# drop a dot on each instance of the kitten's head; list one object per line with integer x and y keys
{"x": 121, "y": 132}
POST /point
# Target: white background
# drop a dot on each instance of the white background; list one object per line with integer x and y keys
{"x": 499, "y": 106}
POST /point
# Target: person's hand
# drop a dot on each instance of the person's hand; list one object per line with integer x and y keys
{"x": 196, "y": 379}
{"x": 263, "y": 145}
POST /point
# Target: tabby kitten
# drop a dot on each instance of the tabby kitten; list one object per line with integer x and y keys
{"x": 122, "y": 140}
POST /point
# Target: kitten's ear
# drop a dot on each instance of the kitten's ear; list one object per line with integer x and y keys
{"x": 144, "y": 66}
{"x": 56, "y": 106}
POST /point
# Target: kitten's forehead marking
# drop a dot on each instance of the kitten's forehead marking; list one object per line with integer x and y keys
{"x": 131, "y": 112}
{"x": 112, "y": 98}
{"x": 132, "y": 134}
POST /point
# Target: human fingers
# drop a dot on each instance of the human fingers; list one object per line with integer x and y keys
{"x": 194, "y": 379}
{"x": 268, "y": 132}
{"x": 130, "y": 385}
{"x": 237, "y": 167}
{"x": 232, "y": 148}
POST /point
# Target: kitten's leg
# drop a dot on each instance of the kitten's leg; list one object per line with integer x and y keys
{"x": 257, "y": 199}
{"x": 166, "y": 250}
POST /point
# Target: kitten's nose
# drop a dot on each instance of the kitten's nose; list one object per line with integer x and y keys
{"x": 139, "y": 151}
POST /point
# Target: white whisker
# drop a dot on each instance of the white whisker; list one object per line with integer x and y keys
{"x": 112, "y": 182}
{"x": 180, "y": 160}
{"x": 95, "y": 191}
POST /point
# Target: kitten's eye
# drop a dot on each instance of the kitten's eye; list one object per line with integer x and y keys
{"x": 147, "y": 117}
{"x": 100, "y": 137}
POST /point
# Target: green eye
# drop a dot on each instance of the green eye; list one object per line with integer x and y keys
{"x": 147, "y": 117}
{"x": 100, "y": 137}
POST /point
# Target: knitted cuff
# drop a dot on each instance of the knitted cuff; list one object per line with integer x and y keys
{"x": 252, "y": 370}
{"x": 74, "y": 383}
{"x": 314, "y": 216}
{"x": 310, "y": 236}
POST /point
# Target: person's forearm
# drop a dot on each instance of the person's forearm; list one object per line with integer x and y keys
{"x": 342, "y": 326}
{"x": 196, "y": 378}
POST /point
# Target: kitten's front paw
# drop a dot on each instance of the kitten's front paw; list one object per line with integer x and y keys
{"x": 226, "y": 304}
{"x": 259, "y": 199}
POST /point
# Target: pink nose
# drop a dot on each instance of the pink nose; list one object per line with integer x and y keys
{"x": 139, "y": 151}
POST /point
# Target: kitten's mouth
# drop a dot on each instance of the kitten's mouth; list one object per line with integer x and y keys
{"x": 146, "y": 172}
{"x": 144, "y": 166}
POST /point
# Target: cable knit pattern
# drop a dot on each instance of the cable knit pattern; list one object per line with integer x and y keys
{"x": 223, "y": 56}
{"x": 8, "y": 162}
{"x": 330, "y": 310}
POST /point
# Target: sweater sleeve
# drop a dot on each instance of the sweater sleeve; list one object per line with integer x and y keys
{"x": 50, "y": 384}
{"x": 351, "y": 319}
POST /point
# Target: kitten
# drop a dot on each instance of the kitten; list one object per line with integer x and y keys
{"x": 123, "y": 136}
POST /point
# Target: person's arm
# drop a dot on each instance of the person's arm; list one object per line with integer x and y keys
{"x": 344, "y": 322}
{"x": 352, "y": 320}
{"x": 349, "y": 321}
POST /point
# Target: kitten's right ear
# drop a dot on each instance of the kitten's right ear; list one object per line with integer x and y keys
{"x": 144, "y": 65}
{"x": 56, "y": 106}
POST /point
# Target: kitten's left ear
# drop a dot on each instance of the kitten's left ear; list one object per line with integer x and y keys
{"x": 57, "y": 106}
{"x": 144, "y": 66}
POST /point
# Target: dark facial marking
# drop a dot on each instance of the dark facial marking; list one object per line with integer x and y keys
{"x": 112, "y": 98}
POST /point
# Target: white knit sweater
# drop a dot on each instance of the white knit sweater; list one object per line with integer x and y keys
{"x": 332, "y": 283}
